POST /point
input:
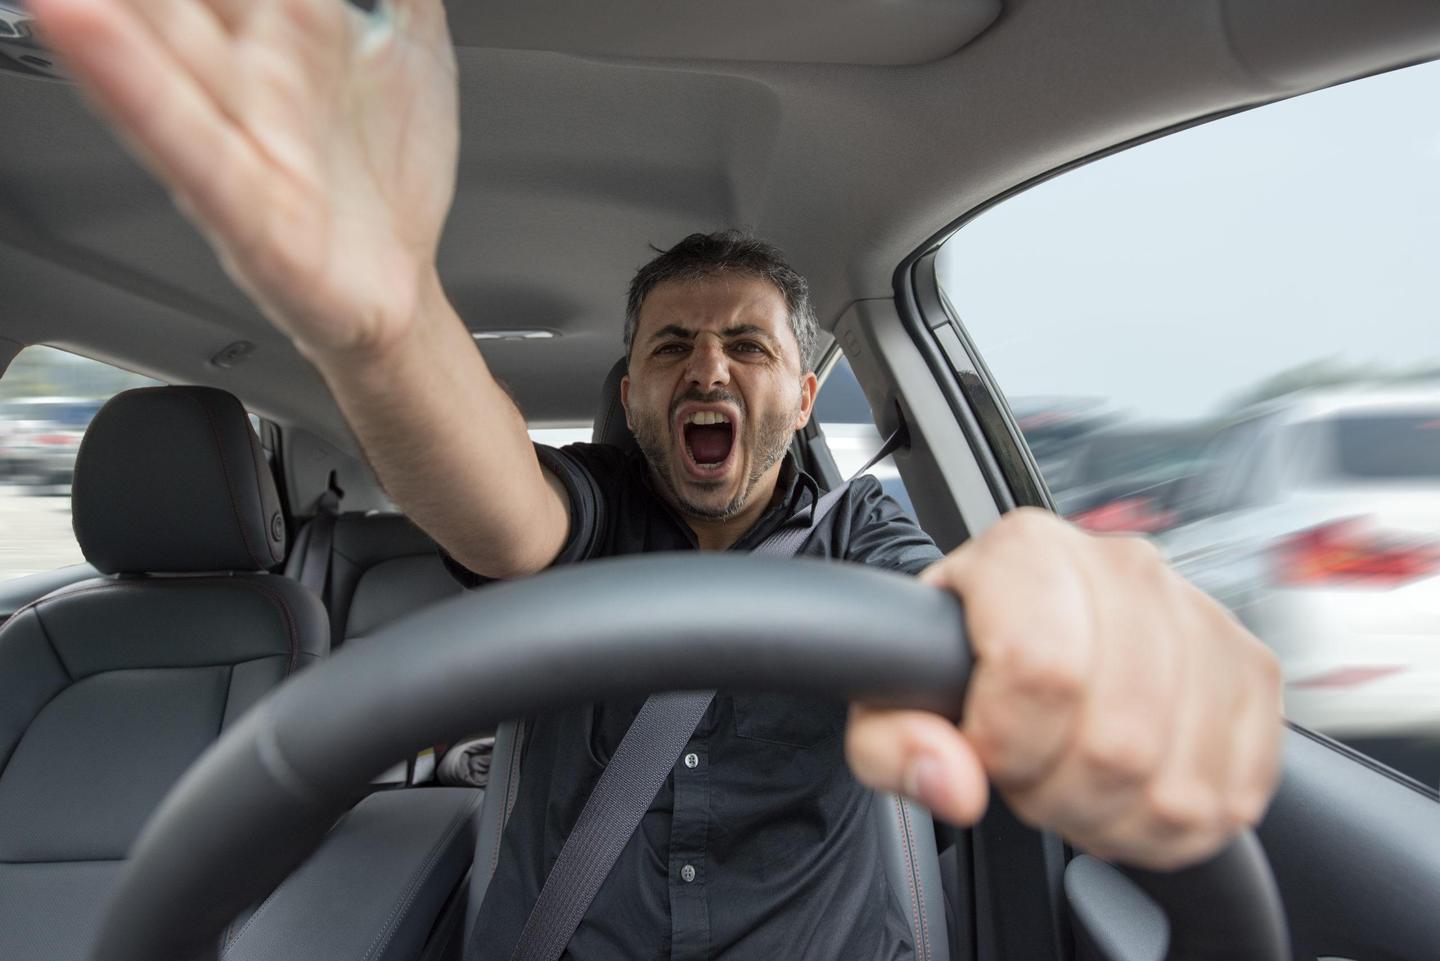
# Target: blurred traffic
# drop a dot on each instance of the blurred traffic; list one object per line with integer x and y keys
{"x": 39, "y": 438}
{"x": 47, "y": 399}
{"x": 1313, "y": 517}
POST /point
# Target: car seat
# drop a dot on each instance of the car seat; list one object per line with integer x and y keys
{"x": 381, "y": 568}
{"x": 111, "y": 687}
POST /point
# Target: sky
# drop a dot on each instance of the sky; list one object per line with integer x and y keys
{"x": 1173, "y": 276}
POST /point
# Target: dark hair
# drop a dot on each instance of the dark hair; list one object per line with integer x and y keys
{"x": 727, "y": 251}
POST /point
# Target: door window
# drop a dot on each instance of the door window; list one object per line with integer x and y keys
{"x": 1226, "y": 339}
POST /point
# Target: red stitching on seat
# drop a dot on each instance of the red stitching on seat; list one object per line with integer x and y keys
{"x": 229, "y": 486}
{"x": 919, "y": 884}
{"x": 291, "y": 629}
{"x": 910, "y": 877}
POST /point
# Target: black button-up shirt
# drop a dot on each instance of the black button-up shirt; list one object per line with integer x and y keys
{"x": 761, "y": 844}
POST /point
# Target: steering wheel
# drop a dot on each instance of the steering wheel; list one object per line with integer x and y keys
{"x": 262, "y": 798}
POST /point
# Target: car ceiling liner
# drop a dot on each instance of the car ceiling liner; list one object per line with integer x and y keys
{"x": 864, "y": 32}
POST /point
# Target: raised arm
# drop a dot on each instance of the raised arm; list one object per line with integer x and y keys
{"x": 315, "y": 148}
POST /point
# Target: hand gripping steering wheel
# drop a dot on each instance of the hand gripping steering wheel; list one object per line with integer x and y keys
{"x": 262, "y": 798}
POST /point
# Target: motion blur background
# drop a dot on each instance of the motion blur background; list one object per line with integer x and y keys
{"x": 1226, "y": 340}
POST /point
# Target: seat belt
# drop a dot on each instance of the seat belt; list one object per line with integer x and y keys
{"x": 627, "y": 786}
{"x": 315, "y": 571}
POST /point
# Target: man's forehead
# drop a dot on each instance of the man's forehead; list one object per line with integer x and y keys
{"x": 714, "y": 303}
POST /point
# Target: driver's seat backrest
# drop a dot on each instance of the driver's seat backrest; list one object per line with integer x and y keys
{"x": 112, "y": 687}
{"x": 610, "y": 426}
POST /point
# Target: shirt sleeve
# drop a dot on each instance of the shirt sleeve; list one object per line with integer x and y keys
{"x": 585, "y": 471}
{"x": 882, "y": 532}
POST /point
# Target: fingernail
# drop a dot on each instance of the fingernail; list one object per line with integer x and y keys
{"x": 921, "y": 776}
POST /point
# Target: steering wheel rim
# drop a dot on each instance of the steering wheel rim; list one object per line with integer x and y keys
{"x": 261, "y": 799}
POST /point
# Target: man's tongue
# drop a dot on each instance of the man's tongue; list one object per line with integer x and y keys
{"x": 708, "y": 444}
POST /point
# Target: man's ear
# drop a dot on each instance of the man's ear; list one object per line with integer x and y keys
{"x": 625, "y": 399}
{"x": 809, "y": 388}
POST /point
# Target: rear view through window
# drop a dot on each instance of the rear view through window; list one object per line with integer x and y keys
{"x": 47, "y": 398}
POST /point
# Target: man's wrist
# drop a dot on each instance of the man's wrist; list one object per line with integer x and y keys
{"x": 428, "y": 314}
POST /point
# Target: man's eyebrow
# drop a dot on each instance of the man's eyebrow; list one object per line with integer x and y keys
{"x": 673, "y": 330}
{"x": 746, "y": 330}
{"x": 736, "y": 330}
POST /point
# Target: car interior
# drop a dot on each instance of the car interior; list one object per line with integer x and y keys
{"x": 193, "y": 720}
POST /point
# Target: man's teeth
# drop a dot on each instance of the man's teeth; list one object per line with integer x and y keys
{"x": 704, "y": 418}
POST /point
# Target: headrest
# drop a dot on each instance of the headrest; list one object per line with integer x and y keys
{"x": 610, "y": 426}
{"x": 172, "y": 480}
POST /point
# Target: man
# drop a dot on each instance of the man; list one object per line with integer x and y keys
{"x": 1111, "y": 701}
{"x": 775, "y": 833}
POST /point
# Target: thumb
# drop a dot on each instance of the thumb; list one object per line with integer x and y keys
{"x": 920, "y": 755}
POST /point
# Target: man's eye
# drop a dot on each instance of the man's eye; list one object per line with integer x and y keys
{"x": 669, "y": 348}
{"x": 749, "y": 346}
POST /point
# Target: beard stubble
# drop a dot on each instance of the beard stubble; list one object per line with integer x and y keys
{"x": 772, "y": 436}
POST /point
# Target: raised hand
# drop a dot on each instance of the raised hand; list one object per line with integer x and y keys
{"x": 314, "y": 145}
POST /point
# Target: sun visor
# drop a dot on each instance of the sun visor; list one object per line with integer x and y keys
{"x": 867, "y": 32}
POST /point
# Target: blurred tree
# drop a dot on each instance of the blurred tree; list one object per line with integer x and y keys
{"x": 1330, "y": 372}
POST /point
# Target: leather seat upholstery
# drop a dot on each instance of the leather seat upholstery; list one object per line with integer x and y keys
{"x": 173, "y": 479}
{"x": 110, "y": 688}
{"x": 382, "y": 567}
{"x": 610, "y": 426}
{"x": 386, "y": 886}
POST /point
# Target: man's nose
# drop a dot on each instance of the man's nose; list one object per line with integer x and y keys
{"x": 709, "y": 364}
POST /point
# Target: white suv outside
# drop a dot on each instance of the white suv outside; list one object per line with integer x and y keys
{"x": 1316, "y": 520}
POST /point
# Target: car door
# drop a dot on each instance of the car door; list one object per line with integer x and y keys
{"x": 1191, "y": 278}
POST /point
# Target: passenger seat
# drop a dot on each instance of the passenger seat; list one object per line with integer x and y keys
{"x": 381, "y": 568}
{"x": 110, "y": 688}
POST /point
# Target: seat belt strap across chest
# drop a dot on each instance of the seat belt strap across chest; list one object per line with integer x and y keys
{"x": 626, "y": 788}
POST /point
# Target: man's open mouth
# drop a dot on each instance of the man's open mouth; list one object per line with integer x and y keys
{"x": 709, "y": 438}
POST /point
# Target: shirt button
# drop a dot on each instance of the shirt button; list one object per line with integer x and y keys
{"x": 692, "y": 760}
{"x": 687, "y": 873}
